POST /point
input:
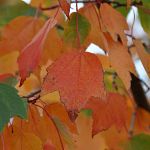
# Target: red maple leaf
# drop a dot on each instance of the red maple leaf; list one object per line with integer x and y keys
{"x": 77, "y": 76}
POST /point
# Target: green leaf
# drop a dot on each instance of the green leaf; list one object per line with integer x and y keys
{"x": 87, "y": 112}
{"x": 12, "y": 81}
{"x": 10, "y": 105}
{"x": 123, "y": 10}
{"x": 113, "y": 83}
{"x": 11, "y": 11}
{"x": 144, "y": 14}
{"x": 8, "y": 79}
{"x": 138, "y": 142}
{"x": 70, "y": 30}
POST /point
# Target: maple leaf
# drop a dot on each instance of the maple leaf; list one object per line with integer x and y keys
{"x": 24, "y": 28}
{"x": 144, "y": 56}
{"x": 106, "y": 113}
{"x": 114, "y": 22}
{"x": 65, "y": 5}
{"x": 31, "y": 54}
{"x": 77, "y": 76}
{"x": 63, "y": 116}
{"x": 70, "y": 31}
{"x": 11, "y": 105}
{"x": 84, "y": 139}
{"x": 95, "y": 35}
{"x": 39, "y": 124}
{"x": 18, "y": 139}
{"x": 121, "y": 61}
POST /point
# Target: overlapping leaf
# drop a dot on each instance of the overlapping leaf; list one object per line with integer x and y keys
{"x": 71, "y": 32}
{"x": 18, "y": 139}
{"x": 11, "y": 105}
{"x": 24, "y": 28}
{"x": 144, "y": 56}
{"x": 84, "y": 139}
{"x": 95, "y": 35}
{"x": 31, "y": 54}
{"x": 65, "y": 5}
{"x": 114, "y": 22}
{"x": 119, "y": 53}
{"x": 107, "y": 113}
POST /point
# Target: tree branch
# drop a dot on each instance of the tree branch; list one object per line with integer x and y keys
{"x": 116, "y": 4}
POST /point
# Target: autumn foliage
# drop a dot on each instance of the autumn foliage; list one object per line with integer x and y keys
{"x": 54, "y": 94}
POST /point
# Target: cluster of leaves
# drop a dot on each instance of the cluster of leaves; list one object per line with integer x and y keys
{"x": 57, "y": 95}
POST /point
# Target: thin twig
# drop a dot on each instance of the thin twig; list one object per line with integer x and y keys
{"x": 51, "y": 118}
{"x": 132, "y": 123}
{"x": 116, "y": 4}
{"x": 32, "y": 94}
{"x": 148, "y": 88}
{"x": 77, "y": 25}
{"x": 132, "y": 27}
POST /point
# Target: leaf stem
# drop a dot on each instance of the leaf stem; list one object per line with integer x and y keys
{"x": 77, "y": 25}
{"x": 51, "y": 118}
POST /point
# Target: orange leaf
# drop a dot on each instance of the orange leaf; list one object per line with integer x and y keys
{"x": 31, "y": 54}
{"x": 77, "y": 76}
{"x": 58, "y": 110}
{"x": 20, "y": 140}
{"x": 23, "y": 28}
{"x": 144, "y": 56}
{"x": 84, "y": 139}
{"x": 121, "y": 61}
{"x": 8, "y": 65}
{"x": 107, "y": 113}
{"x": 65, "y": 5}
{"x": 39, "y": 124}
{"x": 96, "y": 35}
{"x": 114, "y": 22}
